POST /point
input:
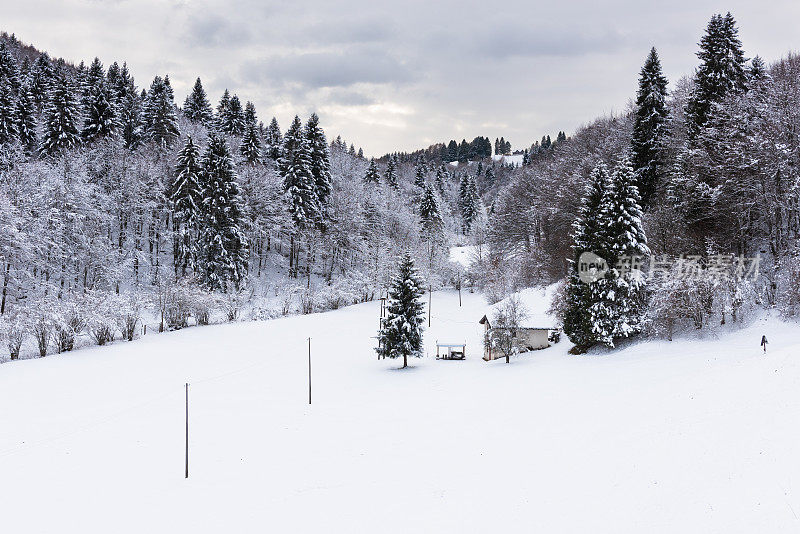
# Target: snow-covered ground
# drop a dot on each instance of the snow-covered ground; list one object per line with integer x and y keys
{"x": 688, "y": 436}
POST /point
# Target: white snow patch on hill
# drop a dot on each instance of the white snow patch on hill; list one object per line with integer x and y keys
{"x": 514, "y": 159}
{"x": 464, "y": 255}
{"x": 688, "y": 436}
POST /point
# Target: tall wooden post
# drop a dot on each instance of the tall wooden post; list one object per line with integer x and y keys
{"x": 429, "y": 305}
{"x": 186, "y": 386}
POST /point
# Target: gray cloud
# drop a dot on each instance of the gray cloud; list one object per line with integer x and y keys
{"x": 352, "y": 30}
{"x": 395, "y": 76}
{"x": 521, "y": 40}
{"x": 210, "y": 30}
{"x": 314, "y": 70}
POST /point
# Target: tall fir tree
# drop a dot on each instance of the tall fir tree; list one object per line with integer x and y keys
{"x": 587, "y": 237}
{"x": 250, "y": 147}
{"x": 231, "y": 118}
{"x": 95, "y": 75}
{"x": 223, "y": 246}
{"x": 391, "y": 173}
{"x": 470, "y": 202}
{"x": 185, "y": 199}
{"x": 650, "y": 129}
{"x": 430, "y": 214}
{"x": 274, "y": 140}
{"x": 8, "y": 113}
{"x": 61, "y": 119}
{"x": 26, "y": 119}
{"x": 224, "y": 104}
{"x": 196, "y": 106}
{"x": 617, "y": 312}
{"x": 400, "y": 335}
{"x": 9, "y": 69}
{"x": 100, "y": 115}
{"x": 41, "y": 76}
{"x": 130, "y": 118}
{"x": 372, "y": 176}
{"x": 420, "y": 171}
{"x": 250, "y": 117}
{"x": 320, "y": 164}
{"x": 721, "y": 70}
{"x": 298, "y": 180}
{"x": 440, "y": 179}
{"x": 112, "y": 78}
{"x": 159, "y": 120}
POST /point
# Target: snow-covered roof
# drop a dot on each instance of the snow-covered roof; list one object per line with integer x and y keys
{"x": 534, "y": 301}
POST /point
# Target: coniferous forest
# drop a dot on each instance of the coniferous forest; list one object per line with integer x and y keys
{"x": 122, "y": 204}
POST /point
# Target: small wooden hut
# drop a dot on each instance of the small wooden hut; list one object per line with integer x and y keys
{"x": 526, "y": 337}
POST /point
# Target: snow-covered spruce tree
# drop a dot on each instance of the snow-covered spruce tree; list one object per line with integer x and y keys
{"x": 61, "y": 119}
{"x": 419, "y": 174}
{"x": 100, "y": 115}
{"x": 223, "y": 246}
{"x": 320, "y": 163}
{"x": 94, "y": 77}
{"x": 274, "y": 140}
{"x": 468, "y": 201}
{"x": 224, "y": 104}
{"x": 648, "y": 142}
{"x": 618, "y": 305}
{"x": 159, "y": 120}
{"x": 298, "y": 186}
{"x": 490, "y": 175}
{"x": 757, "y": 73}
{"x": 430, "y": 214}
{"x": 440, "y": 179}
{"x": 185, "y": 199}
{"x": 250, "y": 117}
{"x": 9, "y": 70}
{"x": 196, "y": 106}
{"x": 8, "y": 113}
{"x": 26, "y": 118}
{"x": 298, "y": 180}
{"x": 587, "y": 237}
{"x": 250, "y": 148}
{"x": 231, "y": 117}
{"x": 721, "y": 71}
{"x": 40, "y": 77}
{"x": 372, "y": 176}
{"x": 401, "y": 331}
{"x": 130, "y": 118}
{"x": 391, "y": 173}
{"x": 121, "y": 84}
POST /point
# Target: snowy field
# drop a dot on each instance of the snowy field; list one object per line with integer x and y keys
{"x": 688, "y": 436}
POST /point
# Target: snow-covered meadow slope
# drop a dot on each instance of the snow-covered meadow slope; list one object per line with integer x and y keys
{"x": 687, "y": 436}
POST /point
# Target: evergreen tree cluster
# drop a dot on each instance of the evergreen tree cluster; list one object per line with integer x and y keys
{"x": 609, "y": 225}
{"x": 692, "y": 167}
{"x": 502, "y": 147}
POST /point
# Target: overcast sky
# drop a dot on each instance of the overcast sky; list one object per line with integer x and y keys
{"x": 402, "y": 75}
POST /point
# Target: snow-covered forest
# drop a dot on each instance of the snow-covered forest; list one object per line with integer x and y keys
{"x": 121, "y": 202}
{"x": 117, "y": 203}
{"x": 715, "y": 166}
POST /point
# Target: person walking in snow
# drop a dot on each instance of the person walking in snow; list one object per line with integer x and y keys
{"x": 764, "y": 343}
